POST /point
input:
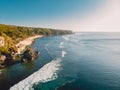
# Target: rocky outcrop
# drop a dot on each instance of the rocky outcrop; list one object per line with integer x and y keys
{"x": 8, "y": 59}
{"x": 2, "y": 60}
{"x": 29, "y": 55}
{"x": 2, "y": 41}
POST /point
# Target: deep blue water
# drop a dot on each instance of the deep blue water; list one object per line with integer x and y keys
{"x": 84, "y": 61}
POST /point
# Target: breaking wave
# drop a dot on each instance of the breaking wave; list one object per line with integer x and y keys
{"x": 61, "y": 45}
{"x": 63, "y": 53}
{"x": 47, "y": 73}
{"x": 66, "y": 38}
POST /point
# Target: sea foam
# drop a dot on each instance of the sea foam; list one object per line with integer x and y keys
{"x": 61, "y": 45}
{"x": 47, "y": 73}
{"x": 66, "y": 38}
{"x": 63, "y": 53}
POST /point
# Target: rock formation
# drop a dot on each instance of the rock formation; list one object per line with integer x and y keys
{"x": 29, "y": 55}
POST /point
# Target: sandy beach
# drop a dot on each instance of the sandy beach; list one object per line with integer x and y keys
{"x": 28, "y": 41}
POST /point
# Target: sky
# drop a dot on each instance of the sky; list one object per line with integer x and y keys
{"x": 76, "y": 15}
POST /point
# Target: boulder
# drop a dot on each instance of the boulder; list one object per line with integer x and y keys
{"x": 28, "y": 55}
{"x": 2, "y": 59}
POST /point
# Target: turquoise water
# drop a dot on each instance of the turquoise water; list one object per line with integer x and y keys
{"x": 84, "y": 61}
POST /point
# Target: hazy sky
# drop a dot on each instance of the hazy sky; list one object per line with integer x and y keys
{"x": 77, "y": 15}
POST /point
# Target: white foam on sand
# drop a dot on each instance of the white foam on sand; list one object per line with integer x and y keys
{"x": 47, "y": 73}
{"x": 63, "y": 53}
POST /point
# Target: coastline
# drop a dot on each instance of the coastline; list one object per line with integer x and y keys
{"x": 26, "y": 42}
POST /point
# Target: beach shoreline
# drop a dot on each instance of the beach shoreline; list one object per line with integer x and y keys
{"x": 26, "y": 42}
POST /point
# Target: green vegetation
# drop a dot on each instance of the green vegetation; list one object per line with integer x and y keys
{"x": 14, "y": 34}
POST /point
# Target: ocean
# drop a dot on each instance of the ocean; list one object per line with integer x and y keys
{"x": 81, "y": 61}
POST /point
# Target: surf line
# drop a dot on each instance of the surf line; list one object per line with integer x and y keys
{"x": 47, "y": 73}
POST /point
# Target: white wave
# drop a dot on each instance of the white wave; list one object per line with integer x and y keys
{"x": 63, "y": 53}
{"x": 61, "y": 45}
{"x": 45, "y": 74}
{"x": 46, "y": 47}
{"x": 66, "y": 38}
